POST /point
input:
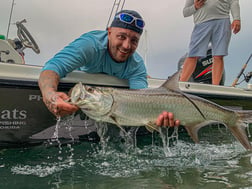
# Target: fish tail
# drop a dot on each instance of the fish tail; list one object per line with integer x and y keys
{"x": 239, "y": 129}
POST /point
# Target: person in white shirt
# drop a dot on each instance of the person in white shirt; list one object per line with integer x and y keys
{"x": 212, "y": 26}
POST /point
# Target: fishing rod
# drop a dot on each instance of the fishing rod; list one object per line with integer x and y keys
{"x": 242, "y": 70}
{"x": 13, "y": 3}
{"x": 117, "y": 4}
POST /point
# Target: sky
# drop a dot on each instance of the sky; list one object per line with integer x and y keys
{"x": 55, "y": 23}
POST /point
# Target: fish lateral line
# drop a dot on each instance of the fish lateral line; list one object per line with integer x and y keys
{"x": 172, "y": 84}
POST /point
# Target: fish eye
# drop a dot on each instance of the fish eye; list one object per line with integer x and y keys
{"x": 90, "y": 89}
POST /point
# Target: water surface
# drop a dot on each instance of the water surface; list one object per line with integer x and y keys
{"x": 219, "y": 161}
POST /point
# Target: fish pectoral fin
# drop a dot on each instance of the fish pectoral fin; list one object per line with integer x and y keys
{"x": 193, "y": 129}
{"x": 151, "y": 127}
{"x": 117, "y": 124}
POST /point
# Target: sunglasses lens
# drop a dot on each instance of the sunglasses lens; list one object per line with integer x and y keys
{"x": 139, "y": 23}
{"x": 126, "y": 18}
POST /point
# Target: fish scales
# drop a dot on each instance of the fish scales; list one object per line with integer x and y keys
{"x": 145, "y": 105}
{"x": 142, "y": 107}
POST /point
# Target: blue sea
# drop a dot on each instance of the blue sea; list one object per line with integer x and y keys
{"x": 168, "y": 161}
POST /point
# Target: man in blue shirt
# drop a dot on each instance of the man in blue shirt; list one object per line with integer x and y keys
{"x": 112, "y": 52}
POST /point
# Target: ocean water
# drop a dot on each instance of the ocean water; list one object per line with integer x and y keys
{"x": 144, "y": 161}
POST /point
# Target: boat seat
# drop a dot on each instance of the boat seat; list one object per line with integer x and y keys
{"x": 8, "y": 54}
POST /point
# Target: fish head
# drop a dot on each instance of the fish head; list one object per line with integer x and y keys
{"x": 94, "y": 101}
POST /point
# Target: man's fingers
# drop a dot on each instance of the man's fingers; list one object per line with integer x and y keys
{"x": 63, "y": 113}
{"x": 236, "y": 26}
{"x": 63, "y": 96}
{"x": 177, "y": 123}
{"x": 159, "y": 121}
{"x": 64, "y": 108}
{"x": 166, "y": 119}
{"x": 170, "y": 119}
{"x": 57, "y": 104}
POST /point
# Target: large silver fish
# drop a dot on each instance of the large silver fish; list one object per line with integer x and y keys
{"x": 124, "y": 107}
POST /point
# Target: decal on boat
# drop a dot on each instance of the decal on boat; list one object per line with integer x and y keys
{"x": 12, "y": 119}
{"x": 207, "y": 62}
{"x": 35, "y": 97}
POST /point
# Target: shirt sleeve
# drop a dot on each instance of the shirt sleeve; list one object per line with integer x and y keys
{"x": 189, "y": 8}
{"x": 235, "y": 10}
{"x": 72, "y": 57}
{"x": 138, "y": 79}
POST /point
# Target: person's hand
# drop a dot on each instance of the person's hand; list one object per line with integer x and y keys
{"x": 236, "y": 26}
{"x": 167, "y": 119}
{"x": 199, "y": 3}
{"x": 56, "y": 103}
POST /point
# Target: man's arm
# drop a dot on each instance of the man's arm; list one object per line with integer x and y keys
{"x": 189, "y": 8}
{"x": 54, "y": 101}
{"x": 235, "y": 11}
{"x": 48, "y": 82}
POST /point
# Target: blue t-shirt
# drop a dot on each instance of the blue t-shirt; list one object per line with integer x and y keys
{"x": 89, "y": 53}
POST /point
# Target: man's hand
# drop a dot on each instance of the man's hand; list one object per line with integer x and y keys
{"x": 56, "y": 103}
{"x": 199, "y": 3}
{"x": 236, "y": 26}
{"x": 167, "y": 119}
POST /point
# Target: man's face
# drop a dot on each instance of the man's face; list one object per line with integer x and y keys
{"x": 122, "y": 43}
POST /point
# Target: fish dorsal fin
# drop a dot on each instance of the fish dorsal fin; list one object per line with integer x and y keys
{"x": 172, "y": 83}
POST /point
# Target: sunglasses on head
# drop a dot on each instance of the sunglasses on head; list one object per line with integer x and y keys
{"x": 127, "y": 18}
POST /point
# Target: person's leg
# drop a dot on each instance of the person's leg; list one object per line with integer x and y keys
{"x": 188, "y": 68}
{"x": 197, "y": 48}
{"x": 217, "y": 70}
{"x": 220, "y": 43}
